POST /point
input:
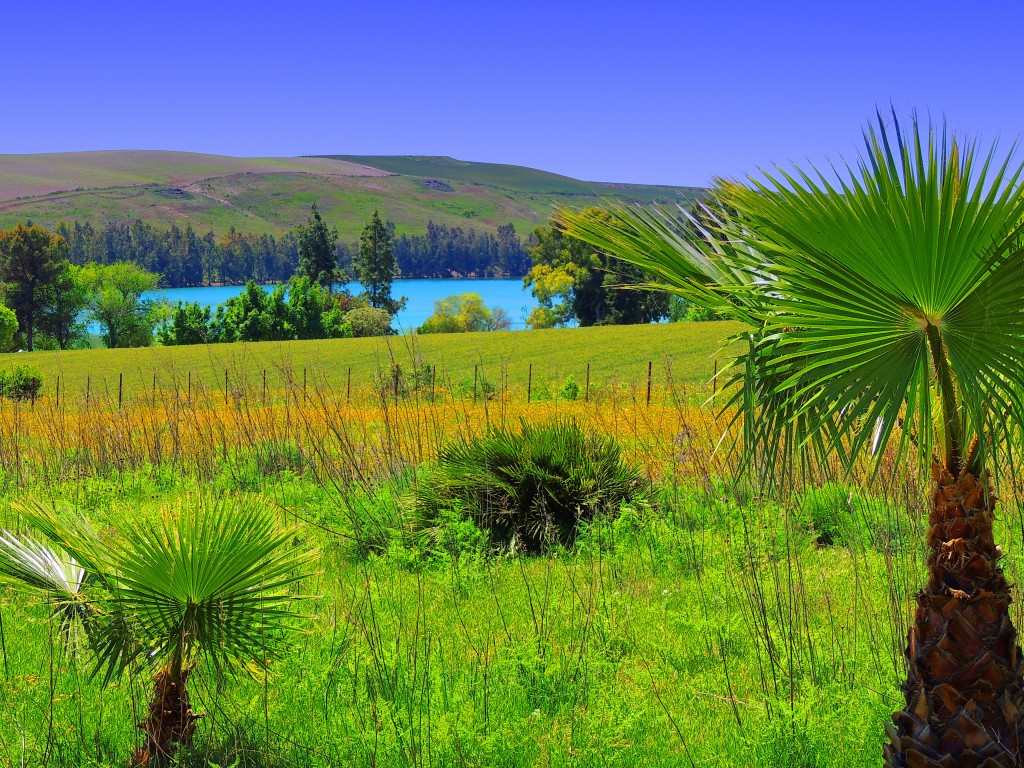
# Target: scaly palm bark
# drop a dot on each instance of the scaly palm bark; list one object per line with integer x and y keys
{"x": 964, "y": 693}
{"x": 170, "y": 722}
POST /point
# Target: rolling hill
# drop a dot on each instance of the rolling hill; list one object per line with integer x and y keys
{"x": 270, "y": 195}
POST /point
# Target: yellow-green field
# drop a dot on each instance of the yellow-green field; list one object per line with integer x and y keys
{"x": 616, "y": 355}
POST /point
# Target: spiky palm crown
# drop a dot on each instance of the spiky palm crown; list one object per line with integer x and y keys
{"x": 886, "y": 294}
{"x": 210, "y": 579}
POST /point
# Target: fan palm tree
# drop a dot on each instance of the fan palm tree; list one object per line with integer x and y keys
{"x": 884, "y": 306}
{"x": 207, "y": 581}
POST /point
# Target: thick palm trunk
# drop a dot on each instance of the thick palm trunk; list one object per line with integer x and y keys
{"x": 170, "y": 721}
{"x": 964, "y": 687}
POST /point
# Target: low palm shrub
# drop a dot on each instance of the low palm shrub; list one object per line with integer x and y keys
{"x": 208, "y": 582}
{"x": 528, "y": 489}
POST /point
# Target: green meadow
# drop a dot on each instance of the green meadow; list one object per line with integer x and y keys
{"x": 617, "y": 355}
{"x": 705, "y": 630}
{"x": 705, "y": 625}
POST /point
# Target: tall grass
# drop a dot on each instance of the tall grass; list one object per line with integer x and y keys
{"x": 712, "y": 626}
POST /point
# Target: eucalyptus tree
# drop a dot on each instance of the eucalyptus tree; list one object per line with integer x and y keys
{"x": 884, "y": 315}
{"x": 207, "y": 582}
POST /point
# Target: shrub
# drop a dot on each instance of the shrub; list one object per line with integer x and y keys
{"x": 842, "y": 516}
{"x": 8, "y": 328}
{"x": 369, "y": 321}
{"x": 483, "y": 387}
{"x": 23, "y": 382}
{"x": 529, "y": 489}
{"x": 570, "y": 389}
{"x": 418, "y": 379}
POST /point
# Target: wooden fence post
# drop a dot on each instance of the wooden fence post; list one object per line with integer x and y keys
{"x": 58, "y": 390}
{"x": 474, "y": 384}
{"x": 303, "y": 384}
{"x": 225, "y": 386}
{"x": 348, "y": 386}
{"x": 529, "y": 384}
{"x": 88, "y": 388}
{"x": 120, "y": 389}
{"x": 586, "y": 392}
{"x": 650, "y": 371}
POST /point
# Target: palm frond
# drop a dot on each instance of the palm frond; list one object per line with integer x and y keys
{"x": 689, "y": 256}
{"x": 911, "y": 238}
{"x": 212, "y": 581}
{"x": 49, "y": 573}
{"x": 72, "y": 532}
{"x": 46, "y": 570}
{"x": 858, "y": 288}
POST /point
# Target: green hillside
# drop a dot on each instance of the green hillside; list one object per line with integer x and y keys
{"x": 515, "y": 178}
{"x": 270, "y": 195}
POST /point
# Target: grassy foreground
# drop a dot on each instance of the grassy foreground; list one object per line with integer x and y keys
{"x": 708, "y": 632}
{"x": 708, "y": 627}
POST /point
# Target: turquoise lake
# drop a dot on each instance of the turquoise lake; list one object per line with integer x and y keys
{"x": 505, "y": 293}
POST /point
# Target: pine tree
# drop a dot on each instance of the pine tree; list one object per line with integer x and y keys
{"x": 317, "y": 250}
{"x": 375, "y": 264}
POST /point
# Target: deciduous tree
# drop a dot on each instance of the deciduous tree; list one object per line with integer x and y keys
{"x": 116, "y": 302}
{"x": 463, "y": 313}
{"x": 8, "y": 328}
{"x": 31, "y": 259}
{"x": 63, "y": 302}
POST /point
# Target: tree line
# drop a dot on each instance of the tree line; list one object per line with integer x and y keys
{"x": 49, "y": 300}
{"x": 309, "y": 306}
{"x": 53, "y": 284}
{"x": 452, "y": 251}
{"x": 183, "y": 257}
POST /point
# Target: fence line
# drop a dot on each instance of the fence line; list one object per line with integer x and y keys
{"x": 398, "y": 383}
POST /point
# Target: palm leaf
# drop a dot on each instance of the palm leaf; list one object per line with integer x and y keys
{"x": 72, "y": 532}
{"x": 213, "y": 582}
{"x": 692, "y": 257}
{"x": 50, "y": 573}
{"x": 859, "y": 289}
{"x": 46, "y": 570}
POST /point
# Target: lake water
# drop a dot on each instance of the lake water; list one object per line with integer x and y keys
{"x": 508, "y": 294}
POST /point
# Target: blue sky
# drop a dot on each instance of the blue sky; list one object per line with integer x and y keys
{"x": 672, "y": 92}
